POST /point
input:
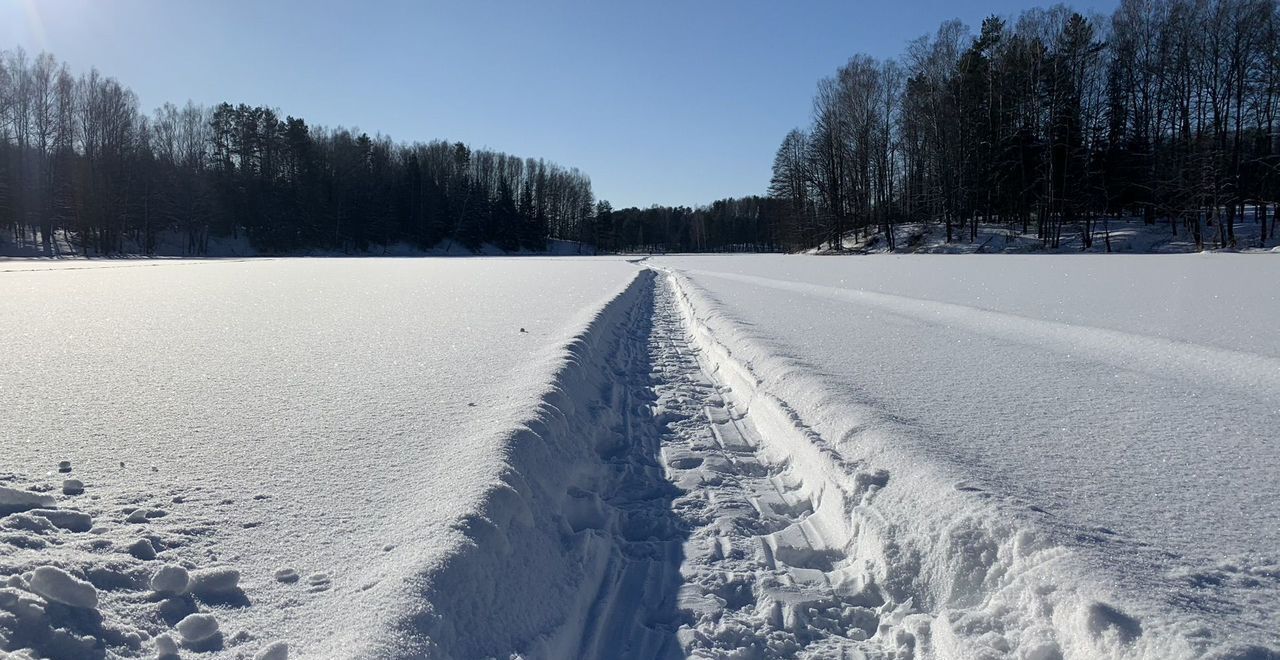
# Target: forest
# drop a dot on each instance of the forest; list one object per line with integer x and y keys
{"x": 1167, "y": 112}
{"x": 79, "y": 159}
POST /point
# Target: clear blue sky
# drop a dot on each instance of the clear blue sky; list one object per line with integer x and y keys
{"x": 659, "y": 101}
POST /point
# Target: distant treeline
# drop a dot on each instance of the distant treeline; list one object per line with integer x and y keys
{"x": 728, "y": 225}
{"x": 78, "y": 159}
{"x": 1169, "y": 110}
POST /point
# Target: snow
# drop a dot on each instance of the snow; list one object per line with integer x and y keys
{"x": 1129, "y": 235}
{"x": 273, "y": 651}
{"x": 74, "y": 521}
{"x": 197, "y": 627}
{"x": 166, "y": 646}
{"x": 142, "y": 549}
{"x": 880, "y": 457}
{"x": 170, "y": 580}
{"x": 1082, "y": 436}
{"x": 215, "y": 582}
{"x": 370, "y": 403}
{"x": 56, "y": 585}
{"x": 13, "y": 500}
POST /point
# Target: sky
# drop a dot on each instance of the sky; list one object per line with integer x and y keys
{"x": 658, "y": 101}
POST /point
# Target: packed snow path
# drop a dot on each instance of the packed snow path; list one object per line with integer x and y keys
{"x": 733, "y": 560}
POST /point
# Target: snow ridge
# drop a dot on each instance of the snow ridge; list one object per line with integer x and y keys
{"x": 962, "y": 573}
{"x": 536, "y": 550}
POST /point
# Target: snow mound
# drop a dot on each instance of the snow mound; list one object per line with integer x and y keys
{"x": 170, "y": 580}
{"x": 197, "y": 627}
{"x": 57, "y": 585}
{"x": 13, "y": 500}
{"x": 273, "y": 651}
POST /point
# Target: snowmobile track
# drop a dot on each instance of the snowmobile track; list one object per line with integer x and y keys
{"x": 724, "y": 554}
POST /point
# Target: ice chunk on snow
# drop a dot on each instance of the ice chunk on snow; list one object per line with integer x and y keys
{"x": 13, "y": 500}
{"x": 57, "y": 585}
{"x": 197, "y": 627}
{"x": 170, "y": 580}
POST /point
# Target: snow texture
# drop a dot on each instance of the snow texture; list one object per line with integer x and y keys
{"x": 347, "y": 418}
{"x": 56, "y": 585}
{"x": 1056, "y": 437}
{"x": 749, "y": 457}
{"x": 196, "y": 628}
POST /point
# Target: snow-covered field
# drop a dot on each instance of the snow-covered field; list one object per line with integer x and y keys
{"x": 748, "y": 457}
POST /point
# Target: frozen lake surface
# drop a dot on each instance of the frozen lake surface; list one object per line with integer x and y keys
{"x": 1129, "y": 404}
{"x": 882, "y": 457}
{"x": 332, "y": 416}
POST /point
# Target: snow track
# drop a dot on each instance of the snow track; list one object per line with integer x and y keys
{"x": 957, "y": 569}
{"x": 668, "y": 503}
{"x": 740, "y": 557}
{"x": 645, "y": 516}
{"x": 765, "y": 572}
{"x": 661, "y": 477}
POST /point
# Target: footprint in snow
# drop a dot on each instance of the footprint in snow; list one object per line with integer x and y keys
{"x": 318, "y": 582}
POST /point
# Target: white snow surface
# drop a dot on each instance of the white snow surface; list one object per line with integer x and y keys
{"x": 339, "y": 416}
{"x": 892, "y": 457}
{"x": 1077, "y": 449}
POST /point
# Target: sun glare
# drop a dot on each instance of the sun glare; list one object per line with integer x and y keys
{"x": 35, "y": 22}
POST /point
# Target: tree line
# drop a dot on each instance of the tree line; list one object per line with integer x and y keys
{"x": 1047, "y": 124}
{"x": 79, "y": 159}
{"x": 1168, "y": 110}
{"x": 745, "y": 224}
